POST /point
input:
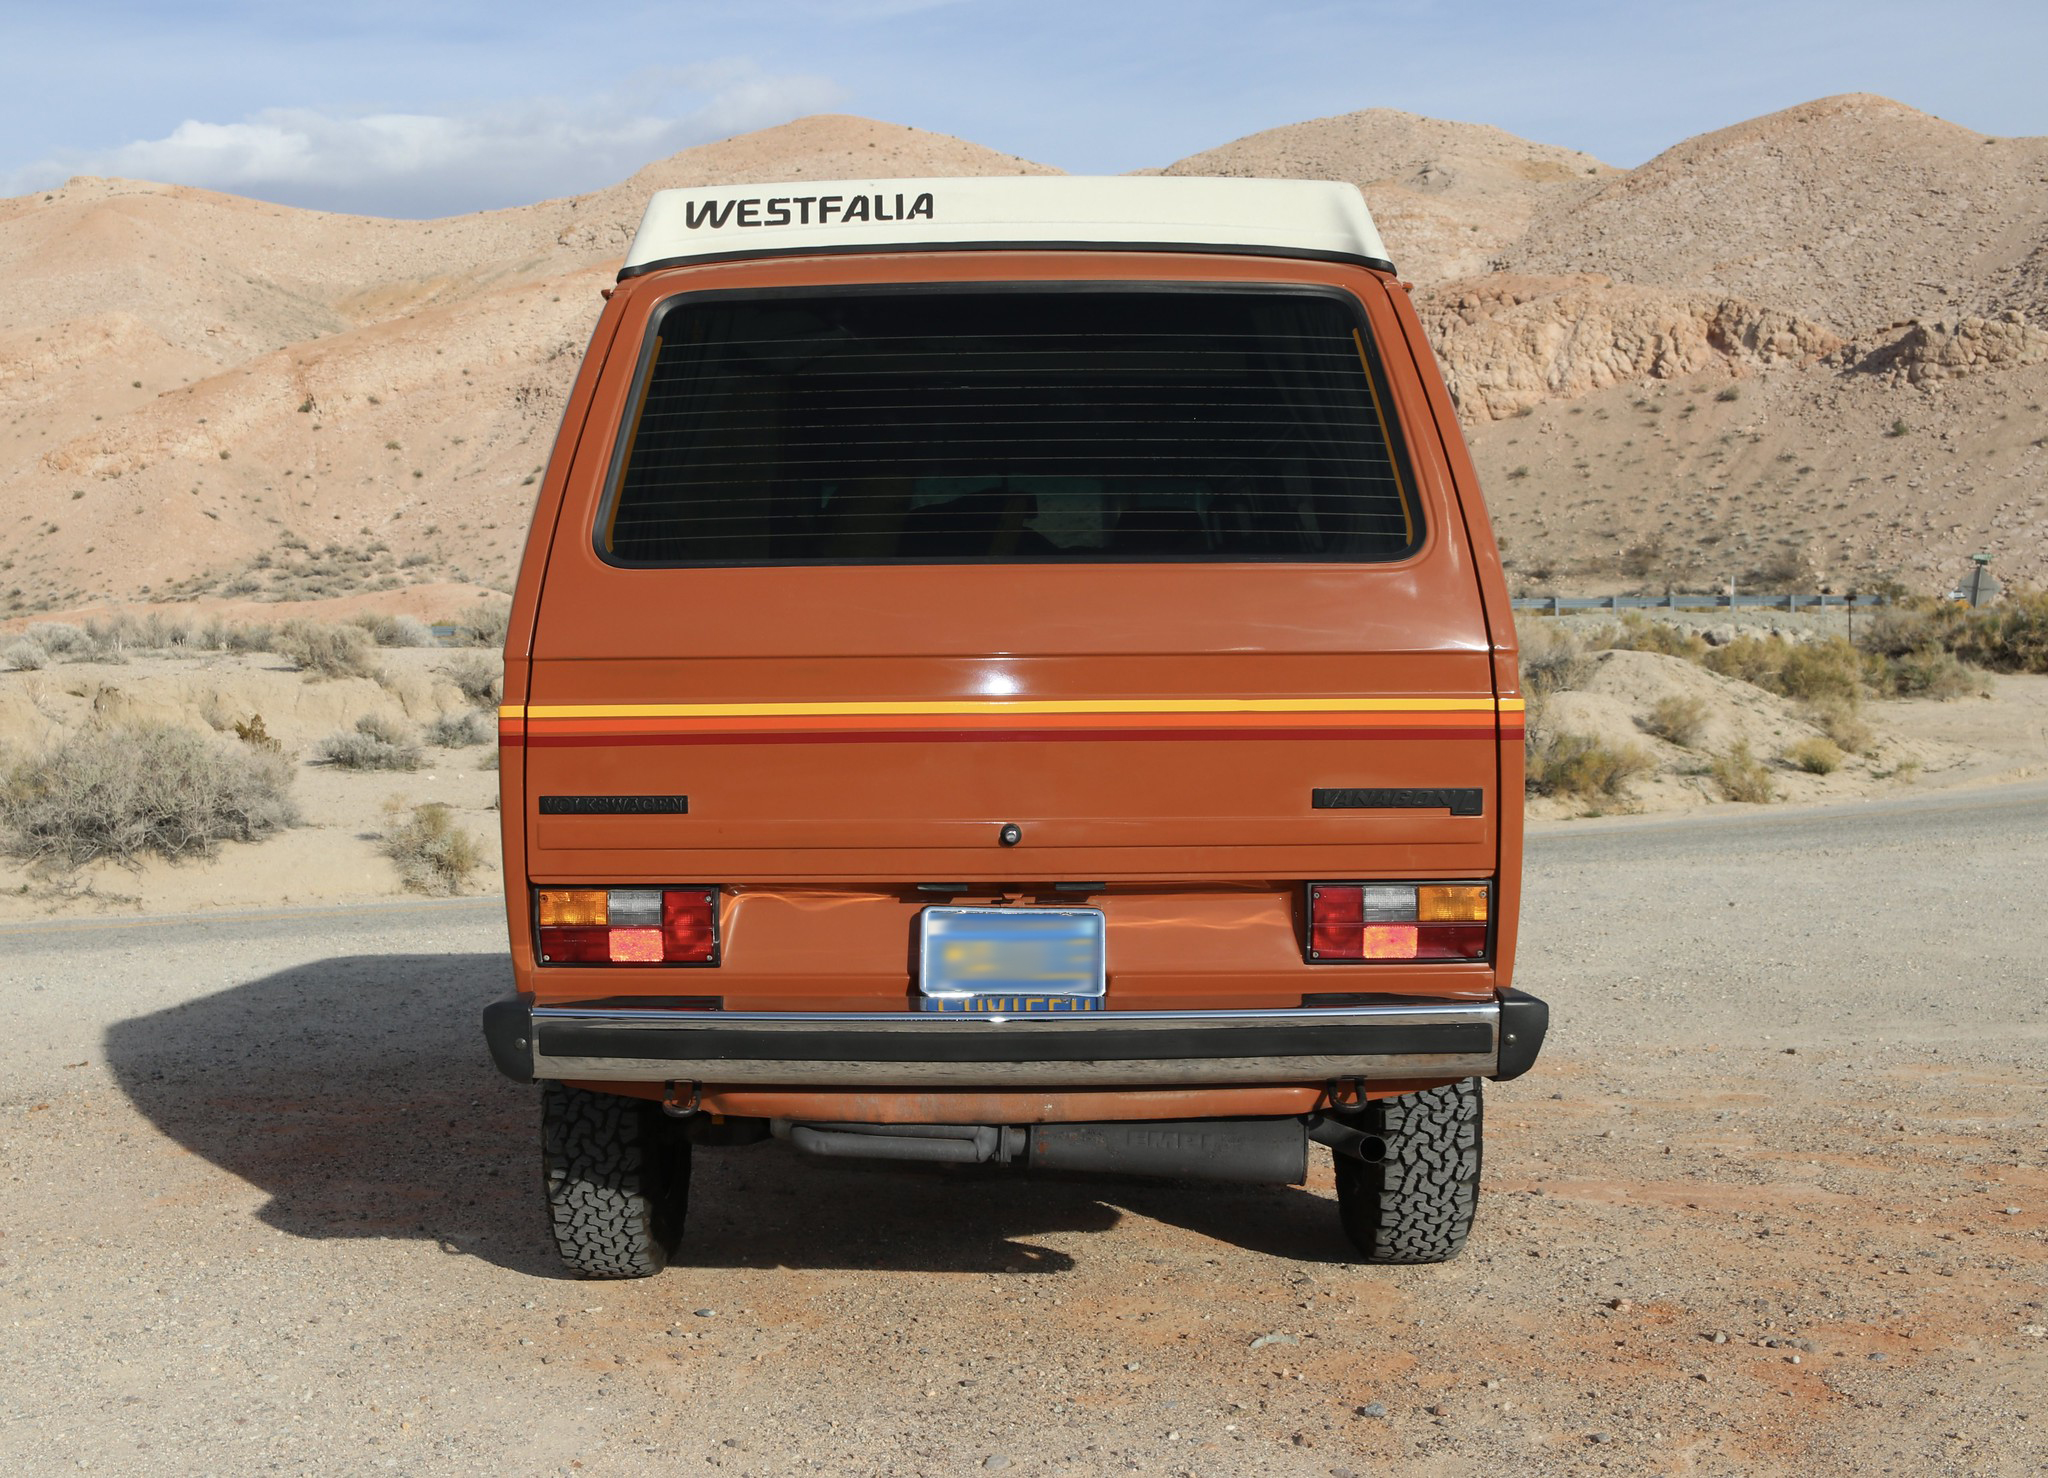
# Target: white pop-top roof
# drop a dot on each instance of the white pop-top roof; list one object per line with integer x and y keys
{"x": 1319, "y": 218}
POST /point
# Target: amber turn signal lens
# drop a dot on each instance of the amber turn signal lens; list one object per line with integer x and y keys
{"x": 572, "y": 908}
{"x": 1439, "y": 903}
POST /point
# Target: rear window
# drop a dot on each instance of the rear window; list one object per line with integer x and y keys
{"x": 963, "y": 425}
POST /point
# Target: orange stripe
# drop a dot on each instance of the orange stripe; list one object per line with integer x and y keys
{"x": 938, "y": 722}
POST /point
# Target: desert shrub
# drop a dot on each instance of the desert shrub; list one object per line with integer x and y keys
{"x": 327, "y": 651}
{"x": 256, "y": 735}
{"x": 120, "y": 632}
{"x": 1820, "y": 669}
{"x": 159, "y": 632}
{"x": 138, "y": 788}
{"x": 460, "y": 730}
{"x": 1751, "y": 659}
{"x": 433, "y": 853}
{"x": 1741, "y": 776}
{"x": 59, "y": 638}
{"x": 1580, "y": 767}
{"x": 376, "y": 743}
{"x": 254, "y": 636}
{"x": 1894, "y": 630}
{"x": 1928, "y": 673}
{"x": 26, "y": 656}
{"x": 1680, "y": 719}
{"x": 1554, "y": 660}
{"x": 477, "y": 675}
{"x": 1638, "y": 633}
{"x": 1841, "y": 720}
{"x": 396, "y": 631}
{"x": 484, "y": 624}
{"x": 2011, "y": 636}
{"x": 1817, "y": 755}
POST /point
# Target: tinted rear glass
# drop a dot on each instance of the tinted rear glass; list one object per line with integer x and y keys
{"x": 975, "y": 425}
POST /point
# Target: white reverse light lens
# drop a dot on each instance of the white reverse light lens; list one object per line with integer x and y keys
{"x": 637, "y": 908}
{"x": 1383, "y": 905}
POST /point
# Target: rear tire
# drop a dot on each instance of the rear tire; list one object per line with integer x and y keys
{"x": 617, "y": 1179}
{"x": 1418, "y": 1206}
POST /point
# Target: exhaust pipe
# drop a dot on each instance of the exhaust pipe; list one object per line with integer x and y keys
{"x": 932, "y": 1144}
{"x": 1246, "y": 1151}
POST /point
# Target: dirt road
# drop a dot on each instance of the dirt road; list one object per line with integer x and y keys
{"x": 1772, "y": 1203}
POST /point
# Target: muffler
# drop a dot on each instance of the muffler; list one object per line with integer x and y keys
{"x": 1249, "y": 1151}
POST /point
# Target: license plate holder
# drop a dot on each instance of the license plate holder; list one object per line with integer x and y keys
{"x": 1011, "y": 961}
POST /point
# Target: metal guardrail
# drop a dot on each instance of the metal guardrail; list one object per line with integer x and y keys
{"x": 1557, "y": 605}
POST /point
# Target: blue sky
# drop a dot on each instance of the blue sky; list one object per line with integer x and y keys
{"x": 428, "y": 109}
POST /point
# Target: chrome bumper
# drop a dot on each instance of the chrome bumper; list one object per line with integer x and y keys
{"x": 1397, "y": 1039}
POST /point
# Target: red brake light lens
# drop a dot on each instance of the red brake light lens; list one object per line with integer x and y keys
{"x": 689, "y": 925}
{"x": 1357, "y": 922}
{"x": 628, "y": 926}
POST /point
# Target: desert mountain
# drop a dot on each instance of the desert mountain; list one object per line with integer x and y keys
{"x": 1801, "y": 349}
{"x": 1446, "y": 196}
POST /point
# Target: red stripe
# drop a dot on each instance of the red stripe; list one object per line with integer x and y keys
{"x": 984, "y": 736}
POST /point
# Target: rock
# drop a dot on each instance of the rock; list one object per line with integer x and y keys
{"x": 995, "y": 1460}
{"x": 1720, "y": 1338}
{"x": 1372, "y": 1409}
{"x": 705, "y": 1313}
{"x": 1599, "y": 1439}
{"x": 1274, "y": 1339}
{"x": 1509, "y": 342}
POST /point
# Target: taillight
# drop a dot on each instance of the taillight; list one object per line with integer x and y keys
{"x": 1397, "y": 921}
{"x": 628, "y": 926}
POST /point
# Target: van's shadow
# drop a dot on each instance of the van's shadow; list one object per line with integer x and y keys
{"x": 356, "y": 1093}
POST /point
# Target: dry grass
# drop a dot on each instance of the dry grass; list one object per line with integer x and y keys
{"x": 434, "y": 855}
{"x": 131, "y": 789}
{"x": 1638, "y": 633}
{"x": 1677, "y": 718}
{"x": 1580, "y": 767}
{"x": 1741, "y": 776}
{"x": 1817, "y": 756}
{"x": 1841, "y": 720}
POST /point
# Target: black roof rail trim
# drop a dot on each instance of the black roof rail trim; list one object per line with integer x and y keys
{"x": 865, "y": 249}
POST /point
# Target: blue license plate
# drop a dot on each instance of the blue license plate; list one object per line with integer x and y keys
{"x": 1011, "y": 961}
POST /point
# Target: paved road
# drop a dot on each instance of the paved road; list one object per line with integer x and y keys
{"x": 269, "y": 1208}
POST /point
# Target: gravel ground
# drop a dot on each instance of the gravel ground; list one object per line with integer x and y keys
{"x": 1772, "y": 1203}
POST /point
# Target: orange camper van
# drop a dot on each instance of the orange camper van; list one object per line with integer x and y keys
{"x": 1011, "y": 670}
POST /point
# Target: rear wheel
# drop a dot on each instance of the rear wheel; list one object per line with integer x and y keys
{"x": 617, "y": 1178}
{"x": 1417, "y": 1206}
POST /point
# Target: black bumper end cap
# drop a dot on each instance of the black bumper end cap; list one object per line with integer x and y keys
{"x": 1523, "y": 1021}
{"x": 508, "y": 1032}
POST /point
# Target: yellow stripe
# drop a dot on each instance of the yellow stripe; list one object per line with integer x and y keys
{"x": 1001, "y": 706}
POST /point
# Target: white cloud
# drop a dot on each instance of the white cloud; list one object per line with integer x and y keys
{"x": 424, "y": 164}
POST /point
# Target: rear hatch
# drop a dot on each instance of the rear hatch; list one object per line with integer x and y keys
{"x": 1151, "y": 574}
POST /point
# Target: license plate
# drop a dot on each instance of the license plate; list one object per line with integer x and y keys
{"x": 1011, "y": 961}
